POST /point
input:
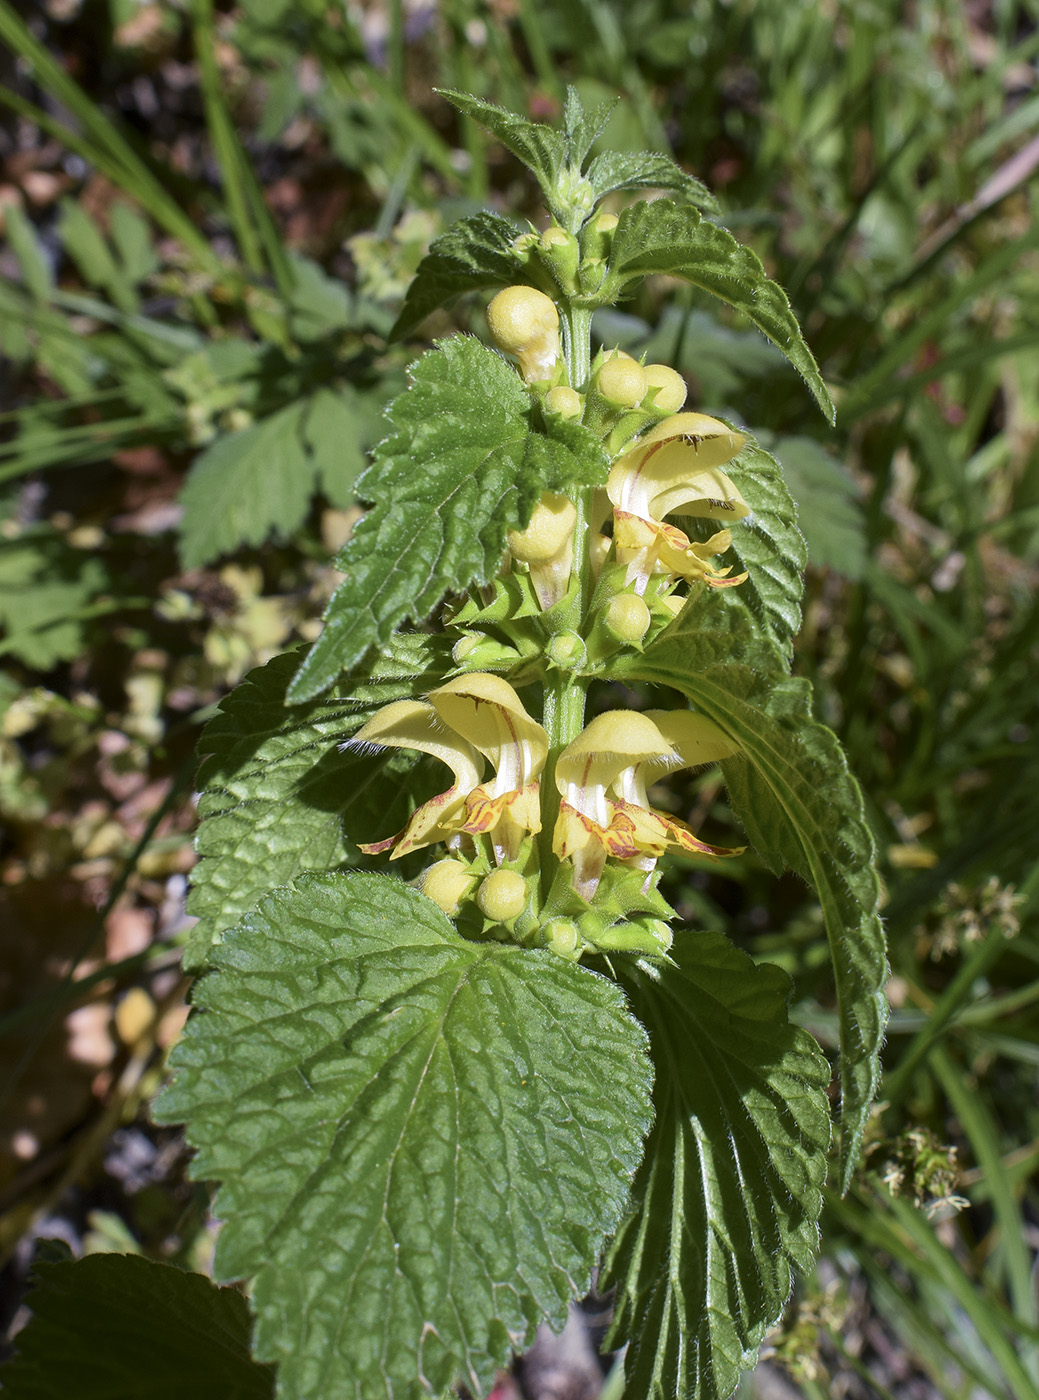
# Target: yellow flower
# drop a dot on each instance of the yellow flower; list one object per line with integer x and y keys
{"x": 471, "y": 718}
{"x": 602, "y": 779}
{"x": 675, "y": 466}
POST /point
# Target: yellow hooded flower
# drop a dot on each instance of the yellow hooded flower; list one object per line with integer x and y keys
{"x": 602, "y": 780}
{"x": 471, "y": 718}
{"x": 491, "y": 715}
{"x": 413, "y": 724}
{"x": 675, "y": 466}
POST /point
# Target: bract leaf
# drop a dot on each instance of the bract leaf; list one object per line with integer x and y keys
{"x": 473, "y": 254}
{"x": 461, "y": 466}
{"x": 633, "y": 170}
{"x": 115, "y": 1325}
{"x": 791, "y": 789}
{"x": 730, "y": 1190}
{"x": 279, "y": 796}
{"x": 422, "y": 1141}
{"x": 676, "y": 239}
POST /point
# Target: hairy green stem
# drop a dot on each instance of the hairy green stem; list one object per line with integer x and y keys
{"x": 564, "y": 694}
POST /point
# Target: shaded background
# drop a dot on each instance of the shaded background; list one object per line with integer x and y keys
{"x": 210, "y": 216}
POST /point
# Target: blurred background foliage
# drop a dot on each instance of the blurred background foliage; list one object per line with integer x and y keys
{"x": 210, "y": 215}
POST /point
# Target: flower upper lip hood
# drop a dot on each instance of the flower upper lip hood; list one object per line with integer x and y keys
{"x": 675, "y": 466}
{"x": 414, "y": 724}
{"x": 469, "y": 719}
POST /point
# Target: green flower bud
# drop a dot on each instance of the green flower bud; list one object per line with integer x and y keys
{"x": 650, "y": 937}
{"x": 479, "y": 652}
{"x": 567, "y": 651}
{"x": 627, "y": 618}
{"x": 562, "y": 937}
{"x": 560, "y": 253}
{"x": 596, "y": 238}
{"x": 502, "y": 895}
{"x": 447, "y": 883}
{"x": 567, "y": 403}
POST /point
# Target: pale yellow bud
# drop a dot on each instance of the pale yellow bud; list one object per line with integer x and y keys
{"x": 627, "y": 617}
{"x": 550, "y": 530}
{"x": 670, "y": 386}
{"x": 566, "y": 402}
{"x": 622, "y": 382}
{"x": 605, "y": 223}
{"x": 503, "y": 895}
{"x": 525, "y": 323}
{"x": 555, "y": 237}
{"x": 447, "y": 883}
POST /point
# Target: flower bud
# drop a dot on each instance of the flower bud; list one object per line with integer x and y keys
{"x": 447, "y": 883}
{"x": 560, "y": 253}
{"x": 650, "y": 937}
{"x": 596, "y": 237}
{"x": 567, "y": 651}
{"x": 622, "y": 381}
{"x": 502, "y": 895}
{"x": 670, "y": 386}
{"x": 562, "y": 937}
{"x": 627, "y": 618}
{"x": 479, "y": 652}
{"x": 525, "y": 323}
{"x": 550, "y": 530}
{"x": 567, "y": 403}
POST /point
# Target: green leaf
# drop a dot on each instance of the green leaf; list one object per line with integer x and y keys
{"x": 827, "y": 509}
{"x": 632, "y": 170}
{"x": 27, "y": 248}
{"x": 245, "y": 486}
{"x": 132, "y": 238}
{"x": 676, "y": 239}
{"x": 541, "y": 148}
{"x": 730, "y": 1189}
{"x": 460, "y": 467}
{"x": 582, "y": 129}
{"x": 47, "y": 592}
{"x": 115, "y": 1326}
{"x": 90, "y": 252}
{"x": 791, "y": 790}
{"x": 338, "y": 426}
{"x": 278, "y": 797}
{"x": 473, "y": 254}
{"x": 422, "y": 1141}
{"x": 318, "y": 304}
